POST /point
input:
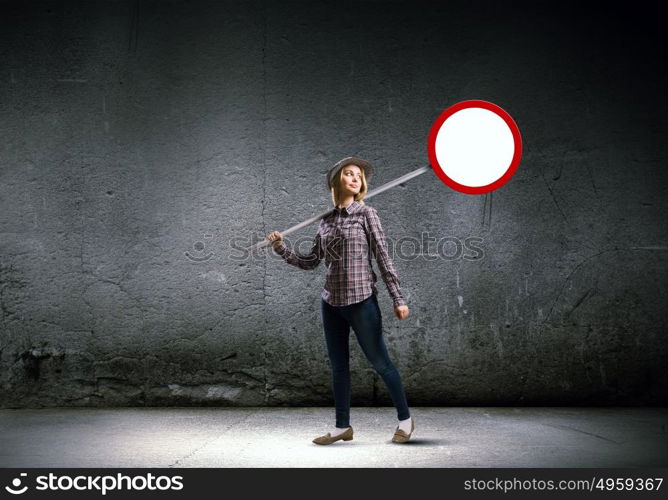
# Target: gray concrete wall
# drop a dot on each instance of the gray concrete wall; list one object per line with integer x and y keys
{"x": 140, "y": 138}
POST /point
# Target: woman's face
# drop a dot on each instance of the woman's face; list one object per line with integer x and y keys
{"x": 351, "y": 180}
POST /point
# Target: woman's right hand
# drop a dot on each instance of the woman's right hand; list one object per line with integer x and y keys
{"x": 275, "y": 238}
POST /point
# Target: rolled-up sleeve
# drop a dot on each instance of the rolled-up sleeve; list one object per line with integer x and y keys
{"x": 303, "y": 261}
{"x": 379, "y": 251}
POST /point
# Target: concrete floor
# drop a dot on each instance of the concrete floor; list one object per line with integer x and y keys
{"x": 281, "y": 437}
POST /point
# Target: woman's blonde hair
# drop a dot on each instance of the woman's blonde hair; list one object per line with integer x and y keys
{"x": 336, "y": 187}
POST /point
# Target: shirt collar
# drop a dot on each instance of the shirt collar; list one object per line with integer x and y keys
{"x": 349, "y": 209}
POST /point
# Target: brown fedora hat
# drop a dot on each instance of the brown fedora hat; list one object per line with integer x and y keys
{"x": 350, "y": 160}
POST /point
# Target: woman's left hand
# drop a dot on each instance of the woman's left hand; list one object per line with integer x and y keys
{"x": 401, "y": 312}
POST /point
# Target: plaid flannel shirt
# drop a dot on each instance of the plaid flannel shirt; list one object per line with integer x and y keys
{"x": 343, "y": 240}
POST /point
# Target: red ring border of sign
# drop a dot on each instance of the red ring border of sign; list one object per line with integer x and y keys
{"x": 514, "y": 163}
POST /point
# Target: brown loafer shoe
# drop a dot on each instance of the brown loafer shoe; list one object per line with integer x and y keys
{"x": 328, "y": 439}
{"x": 400, "y": 436}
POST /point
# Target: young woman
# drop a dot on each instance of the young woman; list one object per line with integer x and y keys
{"x": 346, "y": 239}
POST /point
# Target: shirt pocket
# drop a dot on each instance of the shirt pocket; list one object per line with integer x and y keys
{"x": 325, "y": 232}
{"x": 330, "y": 241}
{"x": 354, "y": 237}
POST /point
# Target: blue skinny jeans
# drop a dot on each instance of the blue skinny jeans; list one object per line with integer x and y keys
{"x": 365, "y": 319}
